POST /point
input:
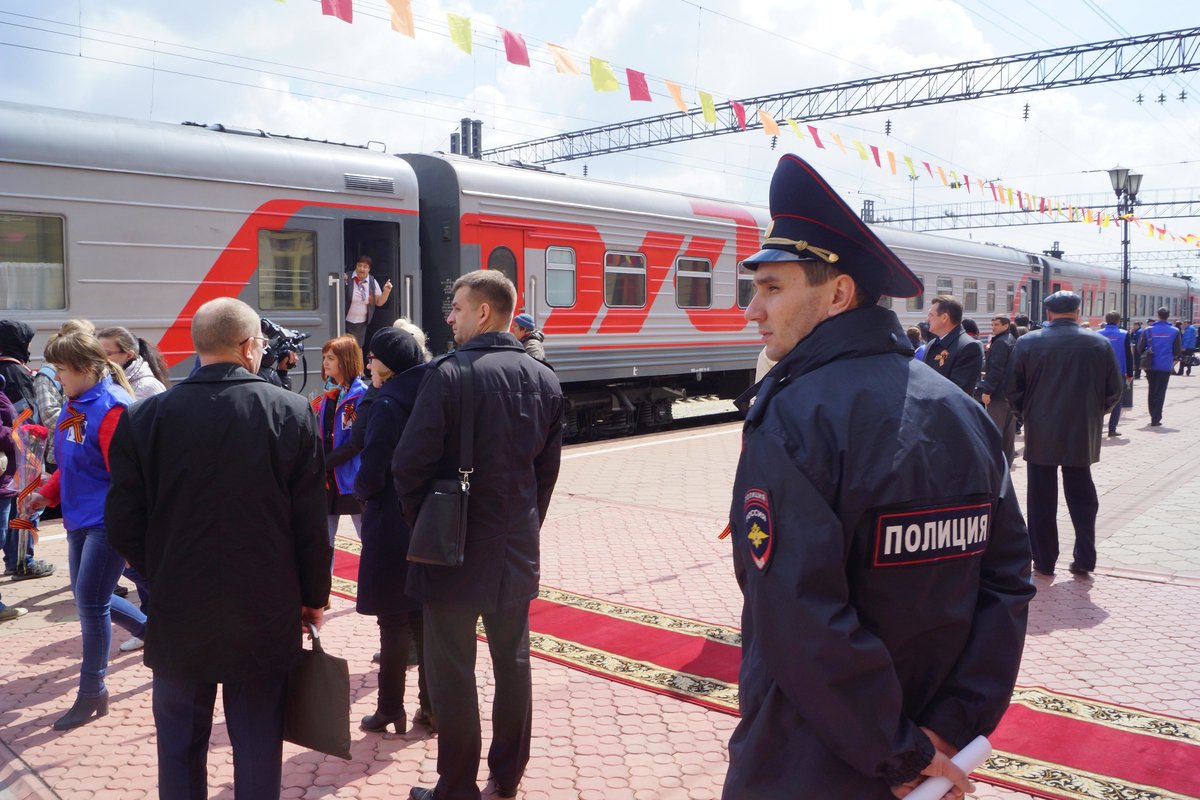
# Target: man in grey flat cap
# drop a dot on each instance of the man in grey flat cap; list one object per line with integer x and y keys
{"x": 1063, "y": 380}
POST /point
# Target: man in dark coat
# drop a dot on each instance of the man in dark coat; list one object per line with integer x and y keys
{"x": 1064, "y": 379}
{"x": 954, "y": 354}
{"x": 517, "y": 444}
{"x": 218, "y": 499}
{"x": 885, "y": 604}
{"x": 992, "y": 384}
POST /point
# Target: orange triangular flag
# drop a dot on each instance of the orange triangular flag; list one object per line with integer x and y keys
{"x": 770, "y": 127}
{"x": 563, "y": 61}
{"x": 676, "y": 95}
{"x": 402, "y": 18}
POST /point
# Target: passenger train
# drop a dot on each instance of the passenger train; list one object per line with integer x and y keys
{"x": 638, "y": 290}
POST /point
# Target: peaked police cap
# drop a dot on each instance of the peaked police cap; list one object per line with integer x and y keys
{"x": 810, "y": 222}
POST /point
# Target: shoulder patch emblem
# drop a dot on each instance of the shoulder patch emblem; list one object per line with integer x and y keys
{"x": 929, "y": 534}
{"x": 760, "y": 533}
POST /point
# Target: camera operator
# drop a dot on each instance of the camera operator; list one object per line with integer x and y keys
{"x": 281, "y": 353}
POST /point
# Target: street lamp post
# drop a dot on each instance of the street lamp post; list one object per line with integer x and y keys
{"x": 1125, "y": 184}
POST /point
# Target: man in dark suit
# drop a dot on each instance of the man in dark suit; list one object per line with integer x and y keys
{"x": 991, "y": 386}
{"x": 954, "y": 354}
{"x": 1064, "y": 379}
{"x": 517, "y": 444}
{"x": 218, "y": 499}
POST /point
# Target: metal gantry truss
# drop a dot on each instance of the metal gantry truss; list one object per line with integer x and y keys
{"x": 1097, "y": 62}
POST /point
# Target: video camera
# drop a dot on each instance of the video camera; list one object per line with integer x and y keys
{"x": 281, "y": 341}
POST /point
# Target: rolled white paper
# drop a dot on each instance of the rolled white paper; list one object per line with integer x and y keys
{"x": 968, "y": 760}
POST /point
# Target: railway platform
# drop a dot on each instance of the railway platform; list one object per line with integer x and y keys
{"x": 636, "y": 637}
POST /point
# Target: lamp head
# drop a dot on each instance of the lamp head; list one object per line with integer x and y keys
{"x": 1118, "y": 175}
{"x": 1132, "y": 183}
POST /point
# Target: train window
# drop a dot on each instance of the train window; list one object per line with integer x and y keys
{"x": 945, "y": 285}
{"x": 560, "y": 277}
{"x": 502, "y": 260}
{"x": 32, "y": 264}
{"x": 916, "y": 303}
{"x": 1100, "y": 307}
{"x": 745, "y": 286}
{"x": 1010, "y": 295}
{"x": 693, "y": 282}
{"x": 885, "y": 301}
{"x": 287, "y": 270}
{"x": 970, "y": 294}
{"x": 625, "y": 280}
{"x": 991, "y": 297}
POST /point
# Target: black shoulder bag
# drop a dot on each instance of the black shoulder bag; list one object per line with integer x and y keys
{"x": 440, "y": 533}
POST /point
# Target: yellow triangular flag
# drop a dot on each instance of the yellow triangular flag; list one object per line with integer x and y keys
{"x": 563, "y": 61}
{"x": 908, "y": 162}
{"x": 603, "y": 78}
{"x": 676, "y": 95}
{"x": 460, "y": 31}
{"x": 795, "y": 126}
{"x": 862, "y": 151}
{"x": 402, "y": 18}
{"x": 769, "y": 126}
{"x": 710, "y": 111}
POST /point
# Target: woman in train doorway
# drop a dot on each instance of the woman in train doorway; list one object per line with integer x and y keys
{"x": 337, "y": 408}
{"x": 362, "y": 296}
{"x": 398, "y": 358}
{"x": 97, "y": 394}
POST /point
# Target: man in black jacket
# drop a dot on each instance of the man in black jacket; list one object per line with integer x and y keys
{"x": 884, "y": 603}
{"x": 991, "y": 386}
{"x": 218, "y": 499}
{"x": 1063, "y": 380}
{"x": 954, "y": 354}
{"x": 517, "y": 444}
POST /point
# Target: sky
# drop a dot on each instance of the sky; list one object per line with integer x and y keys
{"x": 285, "y": 68}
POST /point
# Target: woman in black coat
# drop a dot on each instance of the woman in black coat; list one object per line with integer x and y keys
{"x": 397, "y": 364}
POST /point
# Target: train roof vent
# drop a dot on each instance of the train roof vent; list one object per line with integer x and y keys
{"x": 370, "y": 183}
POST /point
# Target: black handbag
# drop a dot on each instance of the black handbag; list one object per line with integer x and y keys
{"x": 439, "y": 535}
{"x": 317, "y": 710}
{"x": 1147, "y": 359}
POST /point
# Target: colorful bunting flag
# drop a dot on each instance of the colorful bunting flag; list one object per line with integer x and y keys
{"x": 402, "y": 18}
{"x": 710, "y": 111}
{"x": 514, "y": 48}
{"x": 812, "y": 131}
{"x": 837, "y": 139}
{"x": 460, "y": 31}
{"x": 739, "y": 111}
{"x": 562, "y": 60}
{"x": 342, "y": 9}
{"x": 928, "y": 168}
{"x": 638, "y": 90}
{"x": 676, "y": 95}
{"x": 907, "y": 161}
{"x": 603, "y": 77}
{"x": 770, "y": 126}
{"x": 862, "y": 151}
{"x": 875, "y": 153}
{"x": 892, "y": 161}
{"x": 942, "y": 175}
{"x": 795, "y": 126}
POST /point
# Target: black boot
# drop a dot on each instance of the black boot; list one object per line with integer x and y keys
{"x": 378, "y": 723}
{"x": 81, "y": 713}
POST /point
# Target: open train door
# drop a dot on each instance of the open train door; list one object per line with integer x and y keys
{"x": 379, "y": 239}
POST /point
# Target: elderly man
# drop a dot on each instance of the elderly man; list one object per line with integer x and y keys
{"x": 884, "y": 603}
{"x": 218, "y": 499}
{"x": 1063, "y": 381}
{"x": 517, "y": 423}
{"x": 954, "y": 354}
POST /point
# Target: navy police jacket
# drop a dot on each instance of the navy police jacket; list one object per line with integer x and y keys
{"x": 884, "y": 565}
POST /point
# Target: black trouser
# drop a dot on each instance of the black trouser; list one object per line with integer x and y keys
{"x": 1042, "y": 514}
{"x": 394, "y": 632}
{"x": 450, "y": 647}
{"x": 1115, "y": 417}
{"x": 1185, "y": 362}
{"x": 1158, "y": 392}
{"x": 1006, "y": 422}
{"x": 183, "y": 714}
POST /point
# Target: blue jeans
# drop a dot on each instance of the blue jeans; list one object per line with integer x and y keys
{"x": 12, "y": 537}
{"x": 95, "y": 570}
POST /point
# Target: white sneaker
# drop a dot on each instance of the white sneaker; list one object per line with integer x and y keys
{"x": 133, "y": 644}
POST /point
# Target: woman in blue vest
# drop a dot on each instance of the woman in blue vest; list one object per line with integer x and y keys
{"x": 96, "y": 394}
{"x": 337, "y": 408}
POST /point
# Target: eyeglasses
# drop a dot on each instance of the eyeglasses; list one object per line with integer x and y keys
{"x": 261, "y": 339}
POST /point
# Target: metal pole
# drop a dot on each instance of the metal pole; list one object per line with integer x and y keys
{"x": 1124, "y": 206}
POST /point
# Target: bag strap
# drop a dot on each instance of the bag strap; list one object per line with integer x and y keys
{"x": 466, "y": 446}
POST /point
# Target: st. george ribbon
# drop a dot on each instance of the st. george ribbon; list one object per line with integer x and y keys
{"x": 967, "y": 759}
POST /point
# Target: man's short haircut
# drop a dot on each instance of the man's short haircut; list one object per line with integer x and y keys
{"x": 971, "y": 326}
{"x": 1112, "y": 317}
{"x": 223, "y": 324}
{"x": 819, "y": 273}
{"x": 1164, "y": 312}
{"x": 363, "y": 260}
{"x": 945, "y": 304}
{"x": 1002, "y": 319}
{"x": 492, "y": 287}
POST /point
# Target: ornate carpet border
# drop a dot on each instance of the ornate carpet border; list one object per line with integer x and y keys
{"x": 721, "y": 634}
{"x": 1054, "y": 781}
{"x": 1121, "y": 718}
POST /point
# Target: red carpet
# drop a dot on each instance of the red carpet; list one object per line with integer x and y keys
{"x": 1049, "y": 745}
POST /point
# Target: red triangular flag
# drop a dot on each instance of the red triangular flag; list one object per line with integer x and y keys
{"x": 875, "y": 152}
{"x": 638, "y": 90}
{"x": 812, "y": 131}
{"x": 514, "y": 48}
{"x": 342, "y": 9}
{"x": 739, "y": 111}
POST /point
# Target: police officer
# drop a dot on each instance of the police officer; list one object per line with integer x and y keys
{"x": 885, "y": 603}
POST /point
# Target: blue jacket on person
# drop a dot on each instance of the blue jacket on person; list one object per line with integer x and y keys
{"x": 343, "y": 424}
{"x": 85, "y": 478}
{"x": 1118, "y": 337}
{"x": 1189, "y": 337}
{"x": 1163, "y": 338}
